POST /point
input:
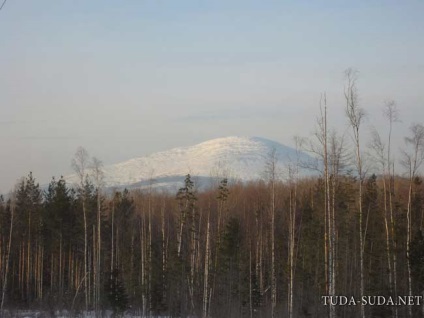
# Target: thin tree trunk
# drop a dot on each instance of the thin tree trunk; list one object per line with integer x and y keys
{"x": 355, "y": 116}
{"x": 291, "y": 255}
{"x": 143, "y": 258}
{"x": 112, "y": 237}
{"x": 361, "y": 239}
{"x": 206, "y": 271}
{"x": 163, "y": 250}
{"x": 6, "y": 271}
{"x": 28, "y": 261}
{"x": 392, "y": 116}
{"x": 150, "y": 260}
{"x": 60, "y": 265}
{"x": 86, "y": 287}
{"x": 98, "y": 250}
{"x": 408, "y": 243}
{"x": 393, "y": 232}
{"x": 250, "y": 282}
{"x": 273, "y": 270}
{"x": 386, "y": 228}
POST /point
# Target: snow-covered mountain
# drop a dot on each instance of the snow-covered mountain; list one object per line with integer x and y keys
{"x": 237, "y": 158}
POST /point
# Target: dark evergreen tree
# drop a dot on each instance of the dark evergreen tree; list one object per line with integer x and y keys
{"x": 120, "y": 233}
{"x": 187, "y": 236}
{"x": 417, "y": 261}
{"x": 229, "y": 270}
{"x": 58, "y": 217}
{"x": 116, "y": 293}
{"x": 28, "y": 210}
{"x": 61, "y": 230}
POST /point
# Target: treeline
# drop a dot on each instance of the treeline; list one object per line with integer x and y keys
{"x": 206, "y": 254}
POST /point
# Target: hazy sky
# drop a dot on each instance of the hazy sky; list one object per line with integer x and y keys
{"x": 128, "y": 78}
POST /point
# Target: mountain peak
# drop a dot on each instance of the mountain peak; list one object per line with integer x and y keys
{"x": 234, "y": 157}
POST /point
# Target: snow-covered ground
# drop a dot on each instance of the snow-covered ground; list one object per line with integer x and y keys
{"x": 67, "y": 314}
{"x": 241, "y": 158}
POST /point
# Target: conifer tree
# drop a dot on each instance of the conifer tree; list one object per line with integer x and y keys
{"x": 116, "y": 293}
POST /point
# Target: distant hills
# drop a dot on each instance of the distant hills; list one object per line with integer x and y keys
{"x": 237, "y": 158}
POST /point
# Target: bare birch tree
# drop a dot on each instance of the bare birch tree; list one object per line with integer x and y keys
{"x": 329, "y": 147}
{"x": 391, "y": 113}
{"x": 383, "y": 158}
{"x": 412, "y": 161}
{"x": 379, "y": 151}
{"x": 355, "y": 115}
{"x": 205, "y": 312}
{"x": 272, "y": 175}
{"x": 293, "y": 171}
{"x": 98, "y": 177}
{"x": 80, "y": 164}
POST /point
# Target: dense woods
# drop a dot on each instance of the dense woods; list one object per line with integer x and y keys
{"x": 217, "y": 253}
{"x": 212, "y": 253}
{"x": 270, "y": 248}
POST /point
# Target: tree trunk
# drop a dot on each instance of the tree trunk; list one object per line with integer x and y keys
{"x": 6, "y": 271}
{"x": 206, "y": 271}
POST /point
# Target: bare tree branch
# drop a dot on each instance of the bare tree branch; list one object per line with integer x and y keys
{"x": 2, "y": 5}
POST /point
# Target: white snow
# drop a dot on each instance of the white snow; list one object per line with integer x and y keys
{"x": 241, "y": 158}
{"x": 66, "y": 314}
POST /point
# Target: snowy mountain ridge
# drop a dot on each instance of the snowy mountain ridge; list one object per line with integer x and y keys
{"x": 237, "y": 158}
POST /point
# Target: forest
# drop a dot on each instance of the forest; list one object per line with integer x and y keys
{"x": 270, "y": 248}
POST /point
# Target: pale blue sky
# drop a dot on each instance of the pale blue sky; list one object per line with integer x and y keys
{"x": 127, "y": 78}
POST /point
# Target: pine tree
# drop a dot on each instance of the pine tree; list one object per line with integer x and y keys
{"x": 116, "y": 293}
{"x": 28, "y": 208}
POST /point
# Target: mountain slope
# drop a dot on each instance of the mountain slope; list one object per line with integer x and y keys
{"x": 241, "y": 158}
